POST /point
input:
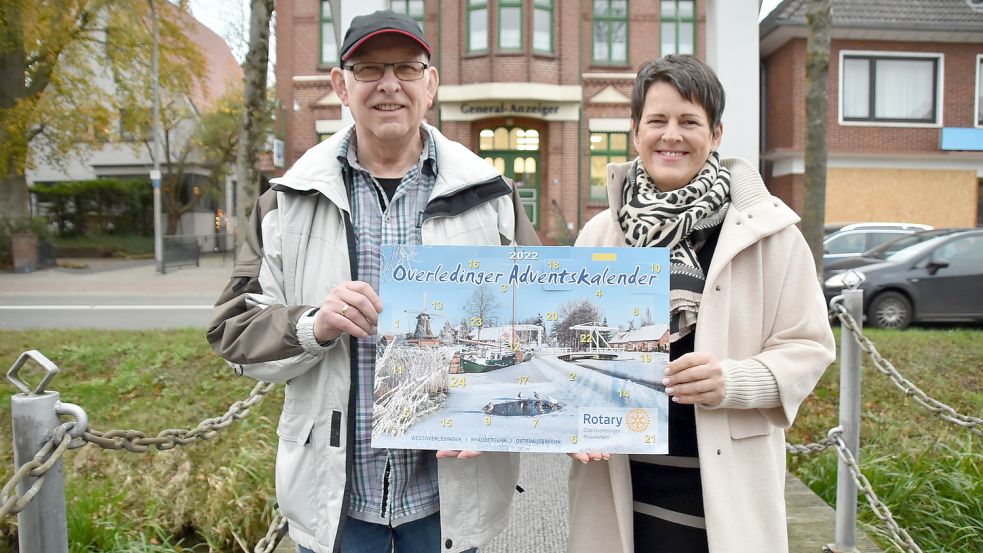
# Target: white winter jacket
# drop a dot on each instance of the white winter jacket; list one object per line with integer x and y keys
{"x": 297, "y": 249}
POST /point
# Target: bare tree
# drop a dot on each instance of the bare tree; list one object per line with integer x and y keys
{"x": 647, "y": 318}
{"x": 253, "y": 114}
{"x": 482, "y": 305}
{"x": 574, "y": 313}
{"x": 818, "y": 20}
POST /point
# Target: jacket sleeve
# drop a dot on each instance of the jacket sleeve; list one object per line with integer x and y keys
{"x": 796, "y": 350}
{"x": 252, "y": 326}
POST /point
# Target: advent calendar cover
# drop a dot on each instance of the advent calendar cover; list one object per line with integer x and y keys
{"x": 502, "y": 348}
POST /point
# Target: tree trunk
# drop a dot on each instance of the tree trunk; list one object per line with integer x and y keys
{"x": 14, "y": 203}
{"x": 13, "y": 184}
{"x": 172, "y": 221}
{"x": 250, "y": 131}
{"x": 818, "y": 19}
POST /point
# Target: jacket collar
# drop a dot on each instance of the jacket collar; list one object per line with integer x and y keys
{"x": 318, "y": 169}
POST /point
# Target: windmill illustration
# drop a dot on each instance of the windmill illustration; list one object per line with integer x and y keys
{"x": 422, "y": 335}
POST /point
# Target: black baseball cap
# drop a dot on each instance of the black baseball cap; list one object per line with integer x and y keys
{"x": 364, "y": 27}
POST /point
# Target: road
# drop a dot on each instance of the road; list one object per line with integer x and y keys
{"x": 98, "y": 311}
{"x": 112, "y": 294}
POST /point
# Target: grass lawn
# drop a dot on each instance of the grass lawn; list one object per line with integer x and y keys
{"x": 216, "y": 494}
{"x": 928, "y": 471}
{"x": 210, "y": 494}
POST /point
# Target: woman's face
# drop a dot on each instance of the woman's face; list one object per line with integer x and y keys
{"x": 673, "y": 137}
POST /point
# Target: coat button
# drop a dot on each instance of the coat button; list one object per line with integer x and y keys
{"x": 718, "y": 453}
{"x": 750, "y": 216}
{"x": 717, "y": 287}
{"x": 448, "y": 544}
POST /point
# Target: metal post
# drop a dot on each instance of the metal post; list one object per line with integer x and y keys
{"x": 42, "y": 526}
{"x": 846, "y": 488}
{"x": 155, "y": 173}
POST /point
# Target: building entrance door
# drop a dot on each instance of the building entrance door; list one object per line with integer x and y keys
{"x": 514, "y": 151}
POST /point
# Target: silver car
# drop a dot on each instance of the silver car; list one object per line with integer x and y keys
{"x": 854, "y": 239}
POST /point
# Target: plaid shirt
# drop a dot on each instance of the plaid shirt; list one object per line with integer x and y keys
{"x": 389, "y": 486}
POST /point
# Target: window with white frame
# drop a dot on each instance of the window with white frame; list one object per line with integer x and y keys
{"x": 876, "y": 88}
{"x": 329, "y": 46}
{"x": 979, "y": 90}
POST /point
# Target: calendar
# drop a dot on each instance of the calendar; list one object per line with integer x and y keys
{"x": 516, "y": 348}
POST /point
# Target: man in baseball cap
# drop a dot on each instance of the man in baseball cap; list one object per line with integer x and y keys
{"x": 303, "y": 307}
{"x": 364, "y": 27}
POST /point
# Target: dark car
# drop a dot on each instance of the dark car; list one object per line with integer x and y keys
{"x": 883, "y": 251}
{"x": 940, "y": 279}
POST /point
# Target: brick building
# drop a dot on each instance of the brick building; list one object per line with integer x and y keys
{"x": 539, "y": 88}
{"x": 905, "y": 128}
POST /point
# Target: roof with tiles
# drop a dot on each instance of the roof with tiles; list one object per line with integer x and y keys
{"x": 943, "y": 15}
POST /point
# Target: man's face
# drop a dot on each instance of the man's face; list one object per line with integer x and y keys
{"x": 387, "y": 109}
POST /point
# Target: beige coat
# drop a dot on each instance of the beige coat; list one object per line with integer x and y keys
{"x": 762, "y": 302}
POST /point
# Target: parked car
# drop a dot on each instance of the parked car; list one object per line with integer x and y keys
{"x": 854, "y": 239}
{"x": 830, "y": 228}
{"x": 881, "y": 252}
{"x": 940, "y": 279}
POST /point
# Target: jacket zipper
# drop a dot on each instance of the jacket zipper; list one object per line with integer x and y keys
{"x": 353, "y": 364}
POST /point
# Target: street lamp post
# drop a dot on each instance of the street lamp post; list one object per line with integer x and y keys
{"x": 155, "y": 172}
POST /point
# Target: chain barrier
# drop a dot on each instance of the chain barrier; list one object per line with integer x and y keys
{"x": 899, "y": 536}
{"x": 131, "y": 440}
{"x": 814, "y": 447}
{"x": 137, "y": 442}
{"x": 276, "y": 532}
{"x": 50, "y": 453}
{"x": 943, "y": 411}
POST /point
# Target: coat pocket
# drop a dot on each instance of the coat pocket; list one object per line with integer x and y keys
{"x": 747, "y": 423}
{"x": 296, "y": 469}
{"x": 295, "y": 427}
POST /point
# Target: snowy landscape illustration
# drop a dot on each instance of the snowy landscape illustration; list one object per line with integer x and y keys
{"x": 498, "y": 348}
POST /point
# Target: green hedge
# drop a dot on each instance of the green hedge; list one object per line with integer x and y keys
{"x": 98, "y": 207}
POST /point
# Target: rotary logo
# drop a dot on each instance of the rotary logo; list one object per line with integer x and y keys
{"x": 638, "y": 420}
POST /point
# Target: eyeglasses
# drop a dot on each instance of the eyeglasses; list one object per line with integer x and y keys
{"x": 371, "y": 71}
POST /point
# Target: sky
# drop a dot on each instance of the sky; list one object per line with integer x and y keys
{"x": 225, "y": 17}
{"x": 766, "y": 7}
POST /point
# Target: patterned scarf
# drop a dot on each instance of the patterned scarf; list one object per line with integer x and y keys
{"x": 682, "y": 220}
